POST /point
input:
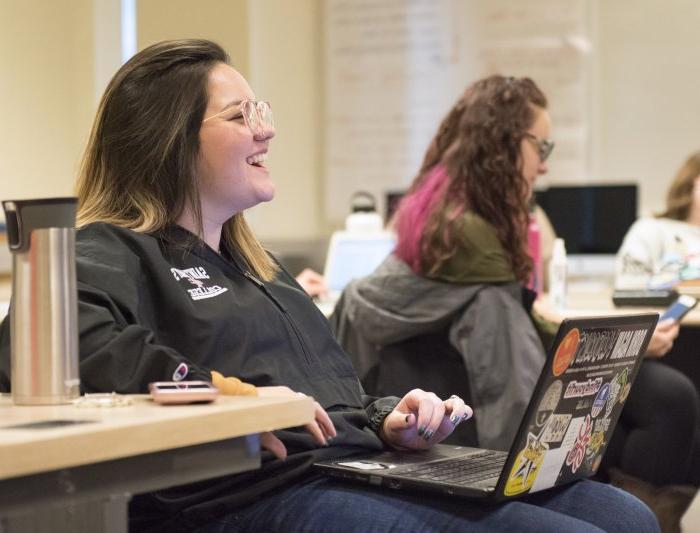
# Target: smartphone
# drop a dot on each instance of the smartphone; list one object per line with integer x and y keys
{"x": 180, "y": 392}
{"x": 679, "y": 308}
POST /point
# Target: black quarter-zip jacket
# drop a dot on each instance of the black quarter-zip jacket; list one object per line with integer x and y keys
{"x": 158, "y": 307}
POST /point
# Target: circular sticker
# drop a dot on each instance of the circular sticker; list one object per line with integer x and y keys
{"x": 549, "y": 402}
{"x": 565, "y": 352}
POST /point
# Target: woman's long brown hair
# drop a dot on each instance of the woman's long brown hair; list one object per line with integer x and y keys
{"x": 139, "y": 167}
{"x": 479, "y": 145}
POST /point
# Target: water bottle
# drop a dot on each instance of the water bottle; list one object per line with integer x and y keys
{"x": 44, "y": 309}
{"x": 557, "y": 275}
{"x": 363, "y": 217}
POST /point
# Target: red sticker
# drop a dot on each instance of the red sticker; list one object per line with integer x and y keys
{"x": 566, "y": 352}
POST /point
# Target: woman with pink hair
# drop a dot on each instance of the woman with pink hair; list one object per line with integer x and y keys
{"x": 461, "y": 256}
{"x": 458, "y": 273}
{"x": 478, "y": 174}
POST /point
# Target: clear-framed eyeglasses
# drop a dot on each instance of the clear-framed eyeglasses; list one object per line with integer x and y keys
{"x": 544, "y": 147}
{"x": 257, "y": 115}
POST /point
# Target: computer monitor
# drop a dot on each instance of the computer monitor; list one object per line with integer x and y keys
{"x": 592, "y": 219}
{"x": 392, "y": 200}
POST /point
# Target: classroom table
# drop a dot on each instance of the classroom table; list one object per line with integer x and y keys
{"x": 70, "y": 468}
{"x": 598, "y": 301}
{"x": 685, "y": 354}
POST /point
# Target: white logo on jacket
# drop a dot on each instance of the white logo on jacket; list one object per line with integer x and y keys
{"x": 194, "y": 276}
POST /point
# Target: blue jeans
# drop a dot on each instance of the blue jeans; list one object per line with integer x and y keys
{"x": 328, "y": 505}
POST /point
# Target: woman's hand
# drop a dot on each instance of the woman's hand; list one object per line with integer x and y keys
{"x": 312, "y": 282}
{"x": 662, "y": 339}
{"x": 321, "y": 428}
{"x": 421, "y": 419}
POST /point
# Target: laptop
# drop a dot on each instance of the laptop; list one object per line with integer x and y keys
{"x": 564, "y": 432}
{"x": 353, "y": 255}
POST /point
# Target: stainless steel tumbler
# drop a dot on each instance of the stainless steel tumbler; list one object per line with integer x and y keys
{"x": 44, "y": 309}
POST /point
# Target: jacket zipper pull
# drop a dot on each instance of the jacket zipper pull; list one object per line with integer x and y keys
{"x": 254, "y": 279}
{"x": 263, "y": 288}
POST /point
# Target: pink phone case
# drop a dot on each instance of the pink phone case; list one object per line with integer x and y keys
{"x": 181, "y": 392}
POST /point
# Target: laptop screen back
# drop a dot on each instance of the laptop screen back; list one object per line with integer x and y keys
{"x": 351, "y": 256}
{"x": 577, "y": 401}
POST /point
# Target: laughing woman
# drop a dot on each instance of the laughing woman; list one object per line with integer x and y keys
{"x": 173, "y": 282}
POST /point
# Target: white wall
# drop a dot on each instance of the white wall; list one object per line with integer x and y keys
{"x": 224, "y": 21}
{"x": 648, "y": 97}
{"x": 285, "y": 68}
{"x": 46, "y": 94}
{"x": 646, "y": 113}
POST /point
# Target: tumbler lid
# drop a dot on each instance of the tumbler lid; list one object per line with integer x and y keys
{"x": 24, "y": 216}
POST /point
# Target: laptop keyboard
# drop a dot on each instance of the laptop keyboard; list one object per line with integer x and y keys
{"x": 460, "y": 470}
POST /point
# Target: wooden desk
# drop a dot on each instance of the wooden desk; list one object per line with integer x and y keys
{"x": 80, "y": 477}
{"x": 598, "y": 302}
{"x": 685, "y": 354}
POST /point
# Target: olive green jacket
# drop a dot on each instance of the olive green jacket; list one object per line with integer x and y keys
{"x": 479, "y": 257}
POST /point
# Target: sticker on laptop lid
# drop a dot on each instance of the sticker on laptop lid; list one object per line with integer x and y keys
{"x": 600, "y": 400}
{"x": 556, "y": 428}
{"x": 526, "y": 466}
{"x": 574, "y": 458}
{"x": 596, "y": 443}
{"x": 550, "y": 470}
{"x": 548, "y": 403}
{"x": 565, "y": 352}
{"x": 617, "y": 385}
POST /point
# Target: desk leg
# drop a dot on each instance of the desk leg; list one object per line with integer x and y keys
{"x": 94, "y": 498}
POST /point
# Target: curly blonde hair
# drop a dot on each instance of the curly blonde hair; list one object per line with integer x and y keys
{"x": 680, "y": 194}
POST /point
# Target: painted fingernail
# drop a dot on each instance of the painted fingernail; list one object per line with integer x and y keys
{"x": 421, "y": 430}
{"x": 466, "y": 416}
{"x": 455, "y": 419}
{"x": 428, "y": 434}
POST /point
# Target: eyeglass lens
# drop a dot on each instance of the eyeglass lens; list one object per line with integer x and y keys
{"x": 544, "y": 146}
{"x": 257, "y": 115}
